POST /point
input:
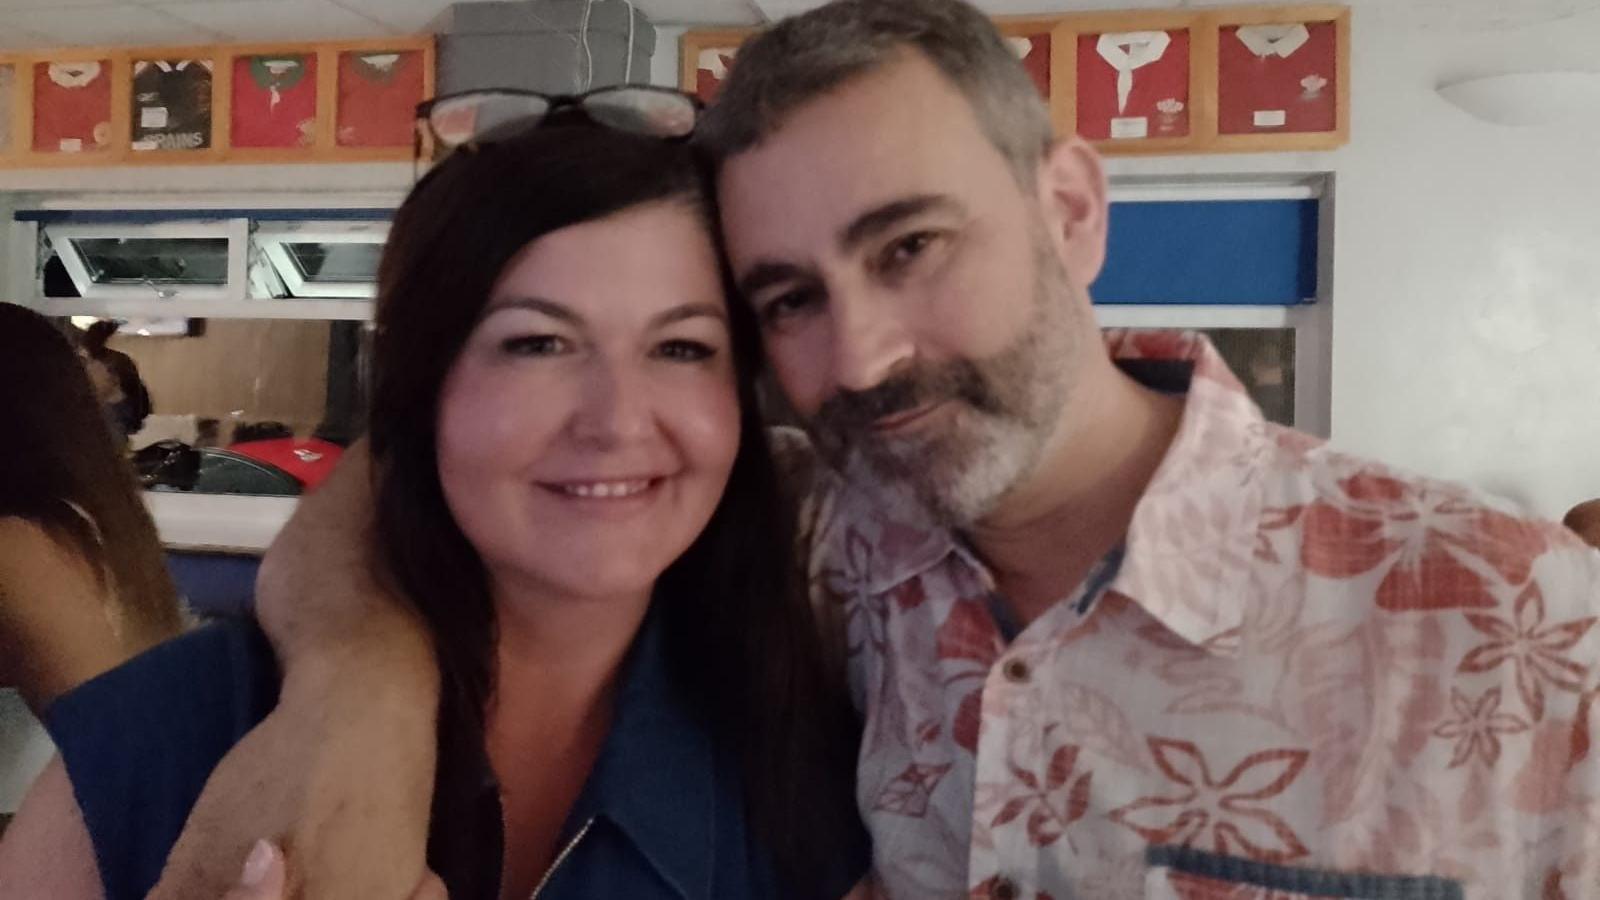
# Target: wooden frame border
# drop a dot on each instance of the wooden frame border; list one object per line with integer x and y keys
{"x": 323, "y": 149}
{"x": 1339, "y": 16}
{"x": 693, "y": 41}
{"x": 21, "y": 105}
{"x": 1202, "y": 58}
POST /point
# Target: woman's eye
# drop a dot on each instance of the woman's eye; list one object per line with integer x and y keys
{"x": 534, "y": 345}
{"x": 685, "y": 351}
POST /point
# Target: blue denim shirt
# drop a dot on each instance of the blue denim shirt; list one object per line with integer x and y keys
{"x": 661, "y": 815}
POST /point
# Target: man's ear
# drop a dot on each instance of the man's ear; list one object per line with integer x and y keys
{"x": 1072, "y": 195}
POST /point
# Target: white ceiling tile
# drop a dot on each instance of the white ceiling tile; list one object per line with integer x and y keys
{"x": 17, "y": 39}
{"x": 701, "y": 12}
{"x": 275, "y": 20}
{"x": 401, "y": 16}
{"x": 119, "y": 25}
{"x": 9, "y": 5}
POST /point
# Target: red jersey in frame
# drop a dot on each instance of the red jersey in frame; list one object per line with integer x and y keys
{"x": 1034, "y": 52}
{"x": 1133, "y": 85}
{"x": 1277, "y": 78}
{"x": 378, "y": 95}
{"x": 71, "y": 106}
{"x": 274, "y": 100}
{"x": 711, "y": 70}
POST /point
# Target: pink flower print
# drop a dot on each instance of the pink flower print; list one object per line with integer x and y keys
{"x": 1478, "y": 726}
{"x": 1537, "y": 653}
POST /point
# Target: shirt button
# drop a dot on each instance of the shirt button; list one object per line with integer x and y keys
{"x": 1017, "y": 671}
{"x": 1004, "y": 889}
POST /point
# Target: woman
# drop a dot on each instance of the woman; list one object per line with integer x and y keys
{"x": 82, "y": 583}
{"x": 575, "y": 492}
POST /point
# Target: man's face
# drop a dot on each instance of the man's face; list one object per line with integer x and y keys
{"x": 917, "y": 303}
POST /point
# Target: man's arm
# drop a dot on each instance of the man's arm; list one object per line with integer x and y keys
{"x": 341, "y": 774}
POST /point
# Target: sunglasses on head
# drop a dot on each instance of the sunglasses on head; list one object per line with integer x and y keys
{"x": 485, "y": 116}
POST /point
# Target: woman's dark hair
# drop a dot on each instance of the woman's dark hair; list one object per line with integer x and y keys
{"x": 740, "y": 634}
{"x": 61, "y": 469}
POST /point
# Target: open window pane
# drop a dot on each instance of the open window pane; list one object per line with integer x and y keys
{"x": 317, "y": 260}
{"x": 156, "y": 261}
{"x": 336, "y": 263}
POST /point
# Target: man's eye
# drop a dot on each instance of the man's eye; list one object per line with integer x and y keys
{"x": 789, "y": 305}
{"x": 685, "y": 351}
{"x": 535, "y": 345}
{"x": 904, "y": 251}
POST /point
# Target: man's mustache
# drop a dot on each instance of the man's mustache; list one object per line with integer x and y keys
{"x": 849, "y": 414}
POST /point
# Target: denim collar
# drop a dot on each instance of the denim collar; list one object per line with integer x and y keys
{"x": 656, "y": 776}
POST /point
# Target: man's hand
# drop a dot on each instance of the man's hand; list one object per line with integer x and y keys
{"x": 341, "y": 774}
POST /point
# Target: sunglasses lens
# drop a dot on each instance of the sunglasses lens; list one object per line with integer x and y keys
{"x": 665, "y": 114}
{"x": 457, "y": 120}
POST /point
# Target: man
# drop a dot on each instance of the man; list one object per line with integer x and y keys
{"x": 1584, "y": 520}
{"x": 117, "y": 380}
{"x": 1113, "y": 634}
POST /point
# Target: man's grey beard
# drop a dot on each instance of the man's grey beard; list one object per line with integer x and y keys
{"x": 1006, "y": 408}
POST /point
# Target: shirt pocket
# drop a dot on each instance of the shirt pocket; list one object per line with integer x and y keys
{"x": 1183, "y": 873}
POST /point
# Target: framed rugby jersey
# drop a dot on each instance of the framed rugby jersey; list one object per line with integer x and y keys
{"x": 1137, "y": 80}
{"x": 274, "y": 101}
{"x": 378, "y": 94}
{"x": 72, "y": 106}
{"x": 171, "y": 104}
{"x": 1283, "y": 78}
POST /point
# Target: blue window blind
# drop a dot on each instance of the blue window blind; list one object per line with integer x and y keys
{"x": 1212, "y": 252}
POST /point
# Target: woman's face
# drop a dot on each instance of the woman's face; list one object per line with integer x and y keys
{"x": 587, "y": 429}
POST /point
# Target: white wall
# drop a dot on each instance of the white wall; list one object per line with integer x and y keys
{"x": 1467, "y": 296}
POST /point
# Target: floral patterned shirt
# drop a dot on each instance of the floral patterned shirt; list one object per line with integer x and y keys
{"x": 1304, "y": 675}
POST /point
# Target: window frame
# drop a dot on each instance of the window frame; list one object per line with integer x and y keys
{"x": 1311, "y": 321}
{"x": 203, "y": 522}
{"x": 62, "y": 237}
{"x": 272, "y": 238}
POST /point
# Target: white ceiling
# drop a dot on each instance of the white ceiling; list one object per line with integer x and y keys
{"x": 45, "y": 23}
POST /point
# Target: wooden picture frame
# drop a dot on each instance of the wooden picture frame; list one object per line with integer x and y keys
{"x": 316, "y": 137}
{"x": 699, "y": 41}
{"x": 323, "y": 146}
{"x": 25, "y": 137}
{"x": 216, "y": 149}
{"x": 328, "y": 146}
{"x": 13, "y": 86}
{"x": 1197, "y": 110}
{"x": 1222, "y": 23}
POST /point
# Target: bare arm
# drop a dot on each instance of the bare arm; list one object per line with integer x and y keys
{"x": 341, "y": 773}
{"x": 47, "y": 851}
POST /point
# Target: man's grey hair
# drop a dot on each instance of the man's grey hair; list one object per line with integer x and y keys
{"x": 809, "y": 55}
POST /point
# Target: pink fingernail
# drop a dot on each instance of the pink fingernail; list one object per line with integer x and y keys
{"x": 256, "y": 866}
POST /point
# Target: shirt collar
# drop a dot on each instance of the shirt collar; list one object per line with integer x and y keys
{"x": 1189, "y": 547}
{"x": 1192, "y": 541}
{"x": 656, "y": 776}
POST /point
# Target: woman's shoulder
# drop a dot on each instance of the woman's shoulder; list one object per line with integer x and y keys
{"x": 222, "y": 674}
{"x": 140, "y": 741}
